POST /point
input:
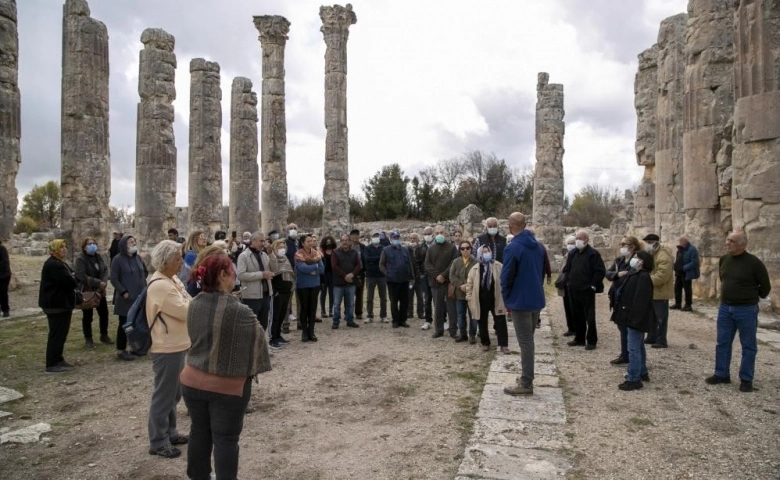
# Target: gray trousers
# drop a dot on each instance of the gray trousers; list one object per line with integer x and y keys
{"x": 166, "y": 394}
{"x": 525, "y": 326}
{"x": 444, "y": 306}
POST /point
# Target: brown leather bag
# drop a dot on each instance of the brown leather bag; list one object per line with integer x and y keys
{"x": 87, "y": 300}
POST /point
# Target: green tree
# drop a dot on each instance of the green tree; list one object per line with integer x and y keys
{"x": 386, "y": 194}
{"x": 592, "y": 205}
{"x": 306, "y": 213}
{"x": 488, "y": 183}
{"x": 43, "y": 205}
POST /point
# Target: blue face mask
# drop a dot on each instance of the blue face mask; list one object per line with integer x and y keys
{"x": 487, "y": 257}
{"x": 395, "y": 243}
{"x": 91, "y": 249}
{"x": 440, "y": 238}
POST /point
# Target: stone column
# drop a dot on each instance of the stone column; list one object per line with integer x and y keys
{"x": 336, "y": 21}
{"x": 86, "y": 169}
{"x": 155, "y": 173}
{"x": 273, "y": 31}
{"x": 548, "y": 175}
{"x": 756, "y": 156}
{"x": 10, "y": 116}
{"x": 669, "y": 208}
{"x": 707, "y": 125}
{"x": 205, "y": 181}
{"x": 646, "y": 105}
{"x": 243, "y": 157}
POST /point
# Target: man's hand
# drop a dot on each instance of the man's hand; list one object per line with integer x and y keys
{"x": 440, "y": 279}
{"x": 549, "y": 279}
{"x": 349, "y": 277}
{"x": 125, "y": 295}
{"x": 622, "y": 274}
{"x": 268, "y": 275}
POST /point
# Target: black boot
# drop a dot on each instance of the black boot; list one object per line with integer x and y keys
{"x": 312, "y": 337}
{"x": 304, "y": 327}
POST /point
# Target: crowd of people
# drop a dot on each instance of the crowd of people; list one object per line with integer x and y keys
{"x": 218, "y": 311}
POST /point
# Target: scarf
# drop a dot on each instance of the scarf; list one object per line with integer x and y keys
{"x": 284, "y": 268}
{"x": 303, "y": 256}
{"x": 55, "y": 246}
{"x": 487, "y": 276}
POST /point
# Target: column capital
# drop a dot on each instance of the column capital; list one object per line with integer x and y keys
{"x": 272, "y": 29}
{"x": 337, "y": 19}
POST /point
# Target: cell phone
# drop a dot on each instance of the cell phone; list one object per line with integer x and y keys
{"x": 233, "y": 234}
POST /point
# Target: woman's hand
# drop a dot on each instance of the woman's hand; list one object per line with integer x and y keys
{"x": 464, "y": 288}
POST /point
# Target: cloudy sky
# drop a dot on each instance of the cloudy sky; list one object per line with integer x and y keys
{"x": 427, "y": 80}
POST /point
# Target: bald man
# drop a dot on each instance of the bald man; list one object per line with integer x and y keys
{"x": 744, "y": 279}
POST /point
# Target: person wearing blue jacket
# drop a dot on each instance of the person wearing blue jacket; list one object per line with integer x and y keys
{"x": 308, "y": 268}
{"x": 523, "y": 294}
{"x": 686, "y": 269}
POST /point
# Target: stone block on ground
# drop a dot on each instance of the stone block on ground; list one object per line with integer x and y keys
{"x": 9, "y": 395}
{"x": 500, "y": 462}
{"x": 544, "y": 406}
{"x": 26, "y": 435}
{"x": 514, "y": 434}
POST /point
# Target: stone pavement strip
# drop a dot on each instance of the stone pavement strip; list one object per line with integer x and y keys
{"x": 519, "y": 437}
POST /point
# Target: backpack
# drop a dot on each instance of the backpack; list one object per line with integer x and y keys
{"x": 137, "y": 328}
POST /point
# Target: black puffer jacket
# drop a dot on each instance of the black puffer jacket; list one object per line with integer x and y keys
{"x": 634, "y": 302}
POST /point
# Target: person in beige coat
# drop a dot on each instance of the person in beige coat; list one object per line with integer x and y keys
{"x": 662, "y": 277}
{"x": 483, "y": 294}
{"x": 255, "y": 271}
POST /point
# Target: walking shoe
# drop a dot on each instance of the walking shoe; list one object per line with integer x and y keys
{"x": 88, "y": 343}
{"x": 568, "y": 333}
{"x": 384, "y": 320}
{"x": 745, "y": 386}
{"x": 590, "y": 346}
{"x": 313, "y": 338}
{"x": 369, "y": 320}
{"x": 353, "y": 325}
{"x": 359, "y": 316}
{"x": 298, "y": 326}
{"x": 6, "y": 314}
{"x": 674, "y": 307}
{"x": 282, "y": 341}
{"x": 446, "y": 325}
{"x": 425, "y": 326}
{"x": 317, "y": 320}
{"x": 292, "y": 317}
{"x": 628, "y": 386}
{"x": 106, "y": 339}
{"x": 56, "y": 369}
{"x": 335, "y": 326}
{"x": 485, "y": 348}
{"x": 714, "y": 380}
{"x": 304, "y": 337}
{"x": 518, "y": 389}
{"x": 472, "y": 340}
{"x": 453, "y": 335}
{"x": 437, "y": 335}
{"x": 620, "y": 360}
{"x": 575, "y": 343}
{"x": 659, "y": 345}
{"x": 395, "y": 325}
{"x": 286, "y": 329}
{"x": 645, "y": 377}
{"x": 180, "y": 440}
{"x": 404, "y": 325}
{"x": 461, "y": 339}
{"x": 687, "y": 308}
{"x": 504, "y": 350}
{"x": 123, "y": 355}
{"x": 274, "y": 345}
{"x": 167, "y": 451}
{"x": 65, "y": 364}
{"x": 649, "y": 342}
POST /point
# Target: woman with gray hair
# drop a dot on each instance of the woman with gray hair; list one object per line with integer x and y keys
{"x": 167, "y": 304}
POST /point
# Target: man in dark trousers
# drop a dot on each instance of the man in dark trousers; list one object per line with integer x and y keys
{"x": 360, "y": 280}
{"x": 291, "y": 242}
{"x": 585, "y": 278}
{"x": 492, "y": 239}
{"x": 427, "y": 242}
{"x": 437, "y": 263}
{"x": 744, "y": 279}
{"x": 417, "y": 293}
{"x": 397, "y": 265}
{"x": 686, "y": 269}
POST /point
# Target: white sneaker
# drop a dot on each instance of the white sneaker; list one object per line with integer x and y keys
{"x": 368, "y": 320}
{"x": 385, "y": 320}
{"x": 446, "y": 325}
{"x": 425, "y": 326}
{"x": 292, "y": 317}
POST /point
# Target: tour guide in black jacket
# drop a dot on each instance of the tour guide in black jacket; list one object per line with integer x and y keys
{"x": 585, "y": 274}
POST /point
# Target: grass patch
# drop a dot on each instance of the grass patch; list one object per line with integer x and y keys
{"x": 468, "y": 404}
{"x": 642, "y": 422}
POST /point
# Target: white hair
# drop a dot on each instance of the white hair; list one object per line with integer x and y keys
{"x": 164, "y": 253}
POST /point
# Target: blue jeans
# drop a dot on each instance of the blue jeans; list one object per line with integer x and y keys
{"x": 347, "y": 293}
{"x": 733, "y": 318}
{"x": 637, "y": 359}
{"x": 623, "y": 341}
{"x": 461, "y": 308}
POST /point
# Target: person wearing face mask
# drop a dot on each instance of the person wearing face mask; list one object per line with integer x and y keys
{"x": 346, "y": 265}
{"x": 256, "y": 269}
{"x": 459, "y": 273}
{"x": 360, "y": 278}
{"x": 663, "y": 289}
{"x": 92, "y": 275}
{"x": 291, "y": 244}
{"x": 482, "y": 291}
{"x": 686, "y": 270}
{"x": 585, "y": 272}
{"x": 492, "y": 239}
{"x": 437, "y": 264}
{"x": 327, "y": 246}
{"x": 423, "y": 279}
{"x": 633, "y": 310}
{"x": 56, "y": 299}
{"x": 128, "y": 277}
{"x": 417, "y": 292}
{"x": 563, "y": 290}
{"x": 283, "y": 281}
{"x": 616, "y": 274}
{"x": 397, "y": 265}
{"x": 374, "y": 277}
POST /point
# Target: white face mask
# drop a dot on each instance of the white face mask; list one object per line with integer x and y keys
{"x": 624, "y": 251}
{"x": 293, "y": 233}
{"x": 413, "y": 244}
{"x": 569, "y": 247}
{"x": 493, "y": 230}
{"x": 428, "y": 238}
{"x": 375, "y": 240}
{"x": 580, "y": 244}
{"x": 634, "y": 263}
{"x": 649, "y": 247}
{"x": 132, "y": 249}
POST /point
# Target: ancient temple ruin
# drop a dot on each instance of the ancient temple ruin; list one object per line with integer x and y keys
{"x": 548, "y": 175}
{"x": 336, "y": 21}
{"x": 646, "y": 104}
{"x": 86, "y": 169}
{"x": 244, "y": 182}
{"x": 155, "y": 174}
{"x": 10, "y": 116}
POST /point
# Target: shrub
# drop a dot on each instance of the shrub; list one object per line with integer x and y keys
{"x": 25, "y": 225}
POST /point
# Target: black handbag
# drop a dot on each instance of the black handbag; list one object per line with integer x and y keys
{"x": 560, "y": 282}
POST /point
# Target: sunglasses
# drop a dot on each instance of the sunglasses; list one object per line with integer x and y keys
{"x": 465, "y": 248}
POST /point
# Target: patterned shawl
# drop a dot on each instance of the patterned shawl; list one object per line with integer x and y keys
{"x": 303, "y": 256}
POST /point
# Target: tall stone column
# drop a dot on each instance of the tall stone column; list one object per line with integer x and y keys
{"x": 205, "y": 181}
{"x": 155, "y": 171}
{"x": 86, "y": 168}
{"x": 548, "y": 175}
{"x": 756, "y": 156}
{"x": 273, "y": 31}
{"x": 243, "y": 157}
{"x": 646, "y": 105}
{"x": 669, "y": 208}
{"x": 707, "y": 120}
{"x": 336, "y": 21}
{"x": 10, "y": 116}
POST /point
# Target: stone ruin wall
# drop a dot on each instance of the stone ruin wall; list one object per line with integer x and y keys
{"x": 646, "y": 105}
{"x": 10, "y": 116}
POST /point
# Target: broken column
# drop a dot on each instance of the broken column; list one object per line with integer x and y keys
{"x": 273, "y": 31}
{"x": 243, "y": 157}
{"x": 155, "y": 174}
{"x": 669, "y": 207}
{"x": 205, "y": 179}
{"x": 708, "y": 110}
{"x": 86, "y": 169}
{"x": 646, "y": 105}
{"x": 548, "y": 175}
{"x": 336, "y": 21}
{"x": 756, "y": 157}
{"x": 10, "y": 116}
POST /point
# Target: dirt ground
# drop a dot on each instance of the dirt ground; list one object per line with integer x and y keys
{"x": 373, "y": 402}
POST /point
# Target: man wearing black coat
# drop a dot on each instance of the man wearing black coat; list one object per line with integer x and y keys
{"x": 585, "y": 278}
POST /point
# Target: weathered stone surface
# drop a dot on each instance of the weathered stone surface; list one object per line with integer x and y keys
{"x": 502, "y": 462}
{"x": 756, "y": 156}
{"x": 244, "y": 180}
{"x": 273, "y": 31}
{"x": 155, "y": 174}
{"x": 470, "y": 221}
{"x": 518, "y": 434}
{"x": 548, "y": 175}
{"x": 86, "y": 168}
{"x": 10, "y": 116}
{"x": 9, "y": 395}
{"x": 25, "y": 435}
{"x": 646, "y": 106}
{"x": 205, "y": 178}
{"x": 336, "y": 21}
